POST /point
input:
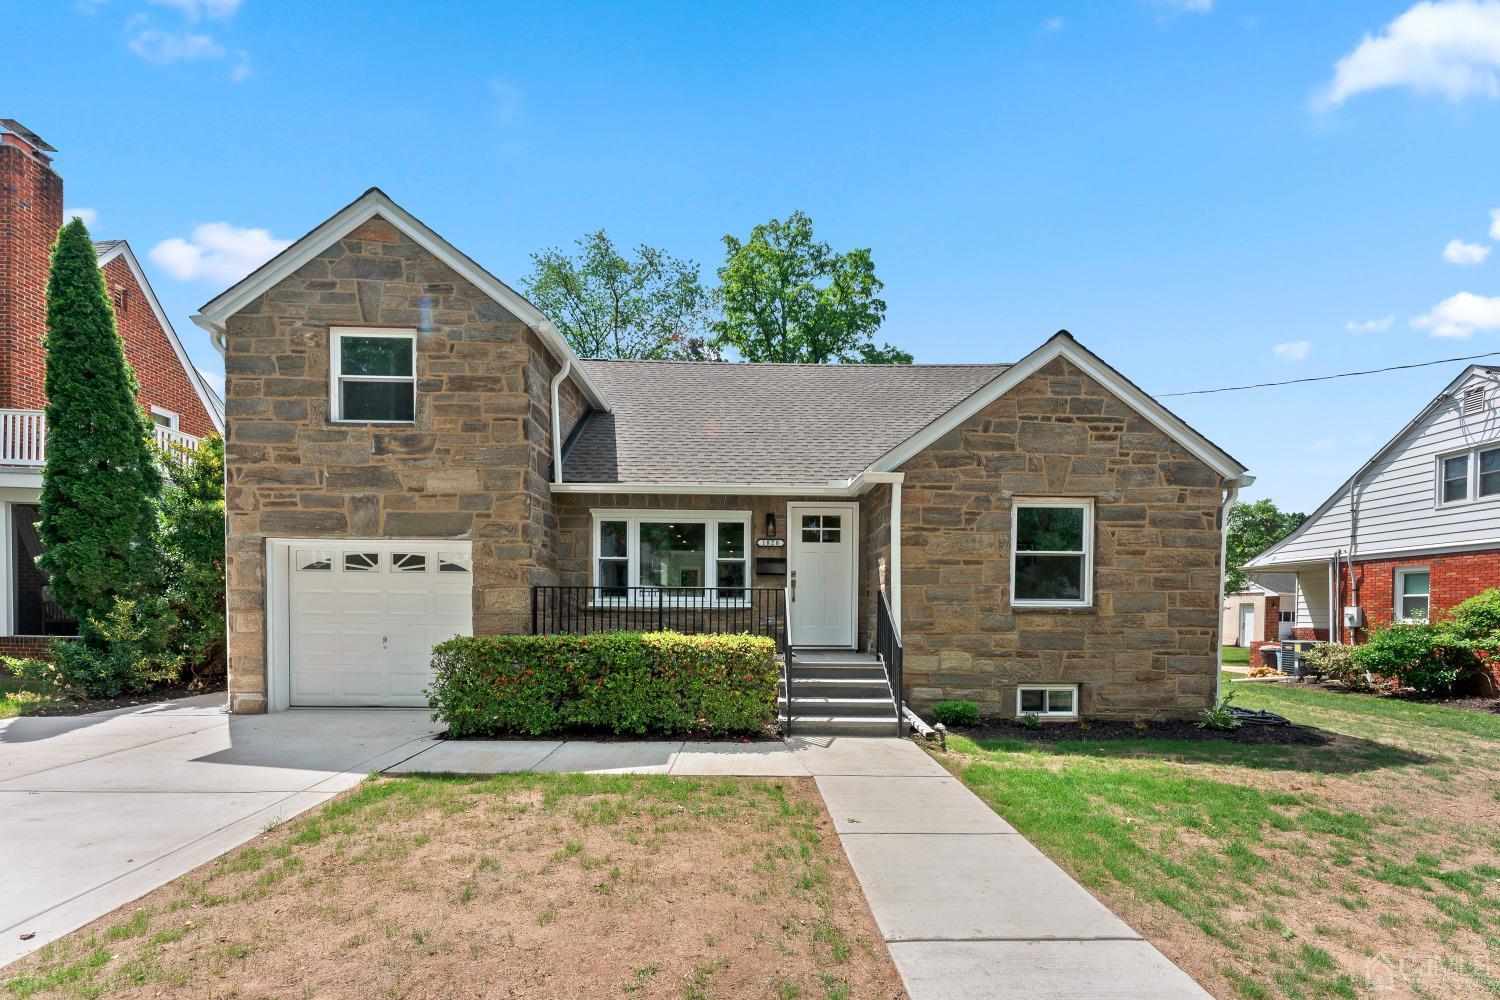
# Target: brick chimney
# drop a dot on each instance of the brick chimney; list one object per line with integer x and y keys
{"x": 31, "y": 213}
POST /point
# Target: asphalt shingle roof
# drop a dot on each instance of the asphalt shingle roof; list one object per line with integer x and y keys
{"x": 748, "y": 423}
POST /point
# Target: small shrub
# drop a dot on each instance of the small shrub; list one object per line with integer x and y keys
{"x": 956, "y": 713}
{"x": 1219, "y": 717}
{"x": 1476, "y": 622}
{"x": 1430, "y": 658}
{"x": 1029, "y": 720}
{"x": 125, "y": 653}
{"x": 27, "y": 668}
{"x": 1335, "y": 660}
{"x": 628, "y": 683}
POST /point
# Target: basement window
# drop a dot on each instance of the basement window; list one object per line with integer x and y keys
{"x": 374, "y": 377}
{"x": 1049, "y": 701}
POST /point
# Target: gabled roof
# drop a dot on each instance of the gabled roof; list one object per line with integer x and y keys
{"x": 1267, "y": 559}
{"x": 694, "y": 423}
{"x": 677, "y": 421}
{"x": 375, "y": 202}
{"x": 108, "y": 250}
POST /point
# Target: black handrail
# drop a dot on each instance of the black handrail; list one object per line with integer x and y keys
{"x": 701, "y": 610}
{"x": 888, "y": 646}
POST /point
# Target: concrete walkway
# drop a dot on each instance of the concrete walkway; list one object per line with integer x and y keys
{"x": 969, "y": 908}
{"x": 97, "y": 810}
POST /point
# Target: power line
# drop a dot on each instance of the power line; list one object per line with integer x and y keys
{"x": 1326, "y": 378}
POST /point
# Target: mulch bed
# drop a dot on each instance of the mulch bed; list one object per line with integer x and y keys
{"x": 1180, "y": 729}
{"x": 1486, "y": 704}
{"x": 86, "y": 705}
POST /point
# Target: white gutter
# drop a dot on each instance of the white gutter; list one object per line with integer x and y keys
{"x": 1333, "y": 595}
{"x": 1231, "y": 493}
{"x": 557, "y": 442}
{"x": 852, "y": 487}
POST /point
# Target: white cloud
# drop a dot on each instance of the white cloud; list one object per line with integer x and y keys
{"x": 1448, "y": 47}
{"x": 194, "y": 9}
{"x": 1191, "y": 6}
{"x": 1370, "y": 325}
{"x": 242, "y": 70}
{"x": 163, "y": 47}
{"x": 1495, "y": 223}
{"x": 1461, "y": 315}
{"x": 1459, "y": 252}
{"x": 1054, "y": 24}
{"x": 88, "y": 215}
{"x": 217, "y": 252}
{"x": 1292, "y": 350}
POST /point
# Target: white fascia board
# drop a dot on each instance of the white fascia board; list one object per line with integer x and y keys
{"x": 375, "y": 202}
{"x": 122, "y": 249}
{"x": 1063, "y": 345}
{"x": 1374, "y": 555}
{"x": 841, "y": 488}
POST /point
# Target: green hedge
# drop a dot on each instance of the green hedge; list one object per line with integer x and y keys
{"x": 627, "y": 683}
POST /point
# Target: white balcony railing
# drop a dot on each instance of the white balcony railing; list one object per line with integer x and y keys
{"x": 23, "y": 438}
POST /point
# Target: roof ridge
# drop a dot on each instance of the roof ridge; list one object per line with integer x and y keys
{"x": 794, "y": 364}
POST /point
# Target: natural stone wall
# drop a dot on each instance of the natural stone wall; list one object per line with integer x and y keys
{"x": 474, "y": 464}
{"x": 874, "y": 558}
{"x": 1146, "y": 647}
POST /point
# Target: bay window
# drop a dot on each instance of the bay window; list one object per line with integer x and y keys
{"x": 1052, "y": 553}
{"x": 661, "y": 550}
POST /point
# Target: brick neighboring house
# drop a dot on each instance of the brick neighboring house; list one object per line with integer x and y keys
{"x": 1413, "y": 532}
{"x": 1041, "y": 536}
{"x": 31, "y": 212}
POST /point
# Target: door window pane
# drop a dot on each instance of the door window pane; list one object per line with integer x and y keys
{"x": 394, "y": 401}
{"x": 1455, "y": 478}
{"x": 673, "y": 555}
{"x": 1489, "y": 472}
{"x": 361, "y": 562}
{"x": 375, "y": 355}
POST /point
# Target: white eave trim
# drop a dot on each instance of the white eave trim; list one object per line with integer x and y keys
{"x": 1373, "y": 555}
{"x": 373, "y": 202}
{"x": 1063, "y": 345}
{"x": 854, "y": 487}
{"x": 122, "y": 249}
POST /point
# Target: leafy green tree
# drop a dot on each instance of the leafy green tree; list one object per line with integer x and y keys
{"x": 1253, "y": 528}
{"x": 192, "y": 547}
{"x": 101, "y": 481}
{"x": 652, "y": 306}
{"x": 786, "y": 297}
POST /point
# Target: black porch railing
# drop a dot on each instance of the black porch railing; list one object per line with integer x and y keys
{"x": 700, "y": 610}
{"x": 888, "y": 647}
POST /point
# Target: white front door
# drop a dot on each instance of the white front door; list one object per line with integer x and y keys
{"x": 821, "y": 574}
{"x": 1247, "y": 624}
{"x": 364, "y": 616}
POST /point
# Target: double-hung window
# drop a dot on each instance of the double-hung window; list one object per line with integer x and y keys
{"x": 1413, "y": 594}
{"x": 373, "y": 375}
{"x": 1052, "y": 543}
{"x": 637, "y": 553}
{"x": 1469, "y": 475}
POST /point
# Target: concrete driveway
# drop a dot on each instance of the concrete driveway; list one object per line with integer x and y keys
{"x": 97, "y": 810}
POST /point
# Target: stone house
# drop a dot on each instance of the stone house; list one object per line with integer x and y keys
{"x": 413, "y": 451}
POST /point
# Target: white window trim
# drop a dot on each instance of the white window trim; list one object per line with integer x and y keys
{"x": 172, "y": 417}
{"x": 634, "y": 518}
{"x": 335, "y": 398}
{"x": 1398, "y": 609}
{"x": 1087, "y": 599}
{"x": 1048, "y": 713}
{"x": 1473, "y": 476}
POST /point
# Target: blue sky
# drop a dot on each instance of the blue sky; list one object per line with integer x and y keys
{"x": 1205, "y": 192}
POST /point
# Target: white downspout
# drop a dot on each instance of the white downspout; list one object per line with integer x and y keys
{"x": 1333, "y": 596}
{"x": 557, "y": 444}
{"x": 896, "y": 555}
{"x": 1231, "y": 493}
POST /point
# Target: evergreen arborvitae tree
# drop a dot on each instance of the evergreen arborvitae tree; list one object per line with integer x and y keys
{"x": 101, "y": 481}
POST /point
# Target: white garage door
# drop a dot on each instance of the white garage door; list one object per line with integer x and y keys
{"x": 365, "y": 616}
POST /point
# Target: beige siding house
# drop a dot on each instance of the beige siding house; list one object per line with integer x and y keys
{"x": 413, "y": 451}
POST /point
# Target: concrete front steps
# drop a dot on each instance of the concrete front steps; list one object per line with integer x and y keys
{"x": 839, "y": 693}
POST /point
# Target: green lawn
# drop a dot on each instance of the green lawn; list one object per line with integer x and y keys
{"x": 18, "y": 697}
{"x": 1366, "y": 867}
{"x": 1236, "y": 656}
